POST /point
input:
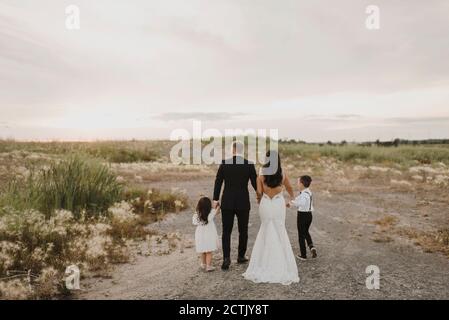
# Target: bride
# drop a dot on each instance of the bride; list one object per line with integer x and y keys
{"x": 272, "y": 259}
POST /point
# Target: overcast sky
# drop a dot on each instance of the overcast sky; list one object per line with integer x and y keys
{"x": 141, "y": 68}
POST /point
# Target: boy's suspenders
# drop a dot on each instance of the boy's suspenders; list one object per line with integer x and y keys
{"x": 311, "y": 201}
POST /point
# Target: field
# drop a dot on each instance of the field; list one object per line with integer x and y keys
{"x": 120, "y": 210}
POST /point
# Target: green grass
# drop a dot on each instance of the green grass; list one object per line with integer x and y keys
{"x": 402, "y": 155}
{"x": 135, "y": 151}
{"x": 112, "y": 151}
{"x": 76, "y": 184}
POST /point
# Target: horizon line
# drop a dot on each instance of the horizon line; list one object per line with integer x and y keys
{"x": 280, "y": 140}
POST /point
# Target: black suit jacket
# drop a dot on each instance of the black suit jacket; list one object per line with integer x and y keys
{"x": 235, "y": 174}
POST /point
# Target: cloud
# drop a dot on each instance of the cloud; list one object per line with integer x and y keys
{"x": 333, "y": 117}
{"x": 5, "y": 125}
{"x": 201, "y": 116}
{"x": 420, "y": 120}
{"x": 369, "y": 121}
{"x": 222, "y": 57}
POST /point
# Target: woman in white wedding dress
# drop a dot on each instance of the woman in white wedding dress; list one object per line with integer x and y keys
{"x": 272, "y": 259}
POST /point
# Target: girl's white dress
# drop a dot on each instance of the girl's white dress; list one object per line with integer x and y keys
{"x": 206, "y": 236}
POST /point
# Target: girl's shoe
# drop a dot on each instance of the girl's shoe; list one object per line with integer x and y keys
{"x": 314, "y": 254}
{"x": 203, "y": 266}
{"x": 210, "y": 268}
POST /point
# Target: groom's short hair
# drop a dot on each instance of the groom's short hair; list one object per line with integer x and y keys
{"x": 238, "y": 147}
{"x": 306, "y": 181}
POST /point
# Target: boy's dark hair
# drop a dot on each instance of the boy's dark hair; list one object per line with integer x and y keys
{"x": 306, "y": 181}
{"x": 203, "y": 209}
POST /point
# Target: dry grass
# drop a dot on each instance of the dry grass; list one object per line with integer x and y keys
{"x": 92, "y": 232}
{"x": 40, "y": 248}
{"x": 387, "y": 221}
{"x": 102, "y": 241}
{"x": 386, "y": 156}
{"x": 436, "y": 241}
{"x": 112, "y": 151}
{"x": 43, "y": 247}
{"x": 385, "y": 225}
{"x": 379, "y": 238}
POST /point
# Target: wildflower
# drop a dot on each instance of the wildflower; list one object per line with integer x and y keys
{"x": 97, "y": 247}
{"x": 14, "y": 290}
{"x": 62, "y": 217}
{"x": 122, "y": 213}
{"x": 38, "y": 256}
{"x": 149, "y": 204}
{"x": 48, "y": 283}
{"x": 99, "y": 228}
{"x": 178, "y": 204}
{"x": 8, "y": 252}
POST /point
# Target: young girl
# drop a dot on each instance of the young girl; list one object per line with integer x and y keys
{"x": 206, "y": 237}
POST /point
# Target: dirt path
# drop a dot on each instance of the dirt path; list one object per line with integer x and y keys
{"x": 343, "y": 232}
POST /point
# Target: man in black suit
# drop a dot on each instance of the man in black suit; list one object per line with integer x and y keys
{"x": 235, "y": 173}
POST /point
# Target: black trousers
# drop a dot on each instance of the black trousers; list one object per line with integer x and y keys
{"x": 228, "y": 223}
{"x": 304, "y": 222}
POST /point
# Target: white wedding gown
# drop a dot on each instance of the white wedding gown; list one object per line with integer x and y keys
{"x": 272, "y": 259}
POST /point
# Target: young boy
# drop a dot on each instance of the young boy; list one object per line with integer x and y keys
{"x": 304, "y": 203}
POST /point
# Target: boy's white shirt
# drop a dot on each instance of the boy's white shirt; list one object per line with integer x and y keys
{"x": 302, "y": 201}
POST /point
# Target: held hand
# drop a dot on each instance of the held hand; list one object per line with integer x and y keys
{"x": 288, "y": 205}
{"x": 215, "y": 204}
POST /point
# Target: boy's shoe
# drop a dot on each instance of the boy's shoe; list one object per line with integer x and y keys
{"x": 301, "y": 258}
{"x": 210, "y": 268}
{"x": 314, "y": 254}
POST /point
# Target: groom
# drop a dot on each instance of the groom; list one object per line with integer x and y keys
{"x": 235, "y": 173}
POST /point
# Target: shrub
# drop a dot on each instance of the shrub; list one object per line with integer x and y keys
{"x": 75, "y": 184}
{"x": 117, "y": 153}
{"x": 43, "y": 248}
{"x": 155, "y": 201}
{"x": 124, "y": 221}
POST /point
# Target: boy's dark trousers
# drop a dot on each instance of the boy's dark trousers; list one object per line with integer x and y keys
{"x": 304, "y": 222}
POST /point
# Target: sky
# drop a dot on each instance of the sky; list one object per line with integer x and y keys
{"x": 143, "y": 68}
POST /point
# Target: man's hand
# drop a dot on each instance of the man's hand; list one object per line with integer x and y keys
{"x": 216, "y": 204}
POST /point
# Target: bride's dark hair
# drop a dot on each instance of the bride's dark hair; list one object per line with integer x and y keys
{"x": 203, "y": 209}
{"x": 272, "y": 180}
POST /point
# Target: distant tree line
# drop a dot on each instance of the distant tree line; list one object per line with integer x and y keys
{"x": 393, "y": 143}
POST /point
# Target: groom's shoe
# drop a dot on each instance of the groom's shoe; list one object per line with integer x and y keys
{"x": 241, "y": 260}
{"x": 226, "y": 264}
